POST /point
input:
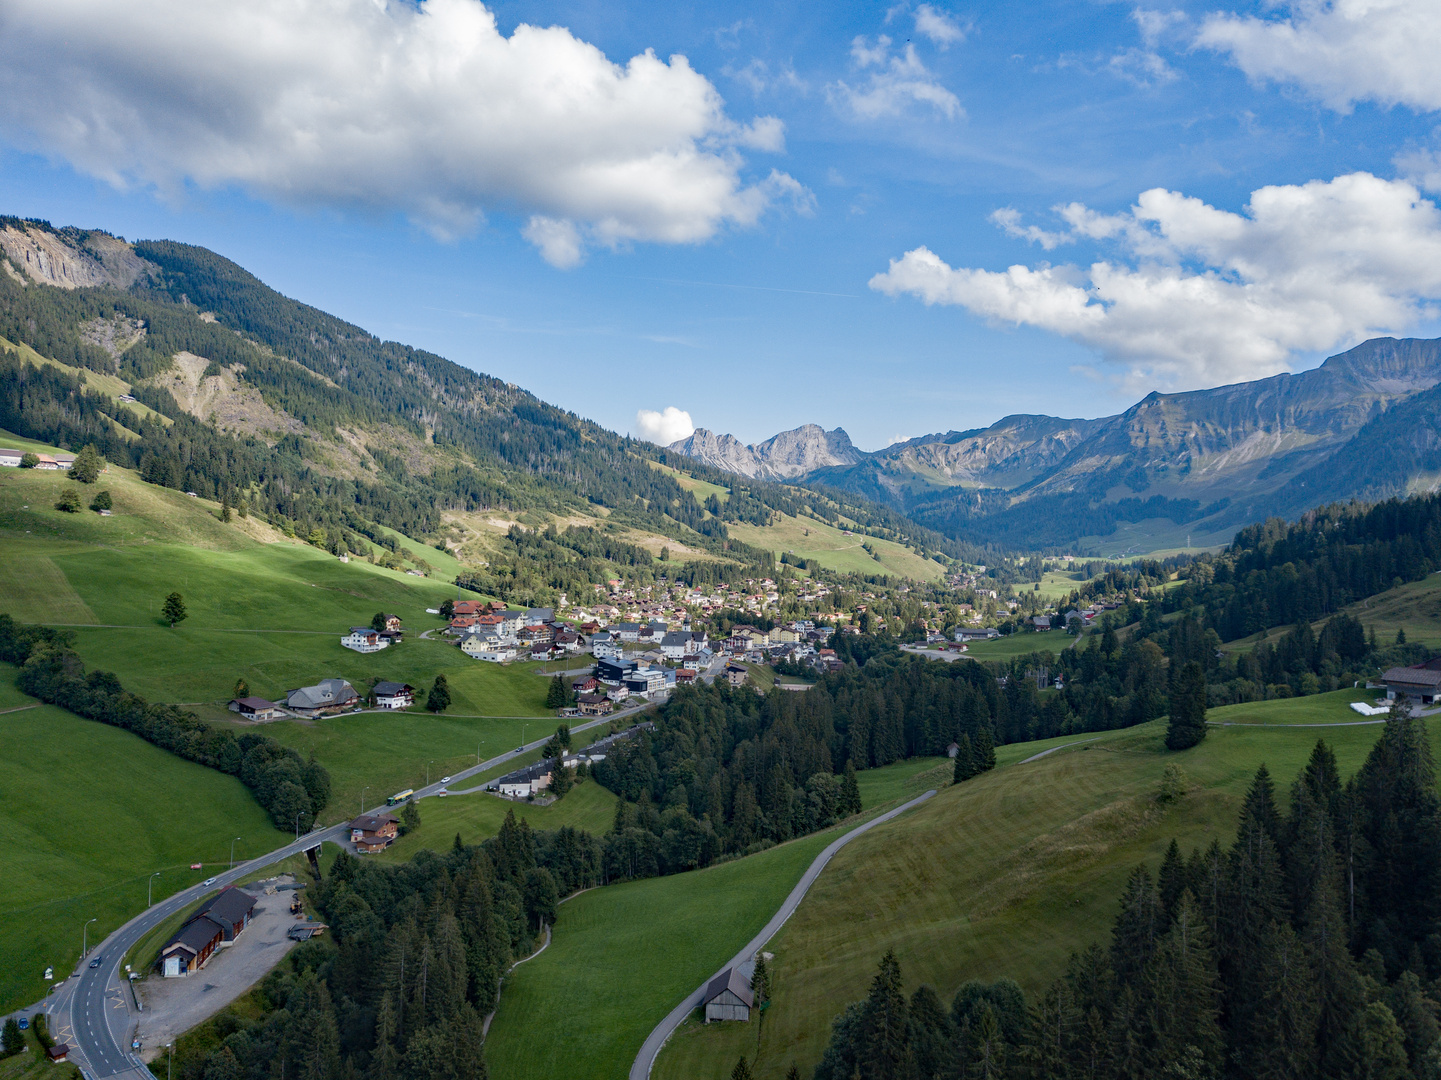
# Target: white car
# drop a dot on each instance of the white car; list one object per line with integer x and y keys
{"x": 445, "y": 779}
{"x": 210, "y": 881}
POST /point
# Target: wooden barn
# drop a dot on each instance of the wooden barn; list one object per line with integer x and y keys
{"x": 728, "y": 997}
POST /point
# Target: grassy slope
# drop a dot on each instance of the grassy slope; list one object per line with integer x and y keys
{"x": 92, "y": 811}
{"x": 1414, "y": 607}
{"x": 1008, "y": 873}
{"x": 1004, "y": 648}
{"x": 622, "y": 956}
{"x": 834, "y": 550}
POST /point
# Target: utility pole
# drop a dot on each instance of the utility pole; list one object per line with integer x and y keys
{"x": 148, "y": 885}
{"x": 297, "y": 824}
{"x": 232, "y": 853}
{"x": 428, "y": 764}
{"x": 85, "y": 937}
{"x": 362, "y": 797}
{"x": 171, "y": 1064}
{"x": 477, "y": 755}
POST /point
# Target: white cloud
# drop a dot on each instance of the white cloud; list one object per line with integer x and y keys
{"x": 1340, "y": 51}
{"x": 899, "y": 81}
{"x": 940, "y": 26}
{"x": 1142, "y": 67}
{"x": 1198, "y": 296}
{"x": 665, "y": 427}
{"x": 381, "y": 105}
{"x": 1421, "y": 167}
{"x": 1009, "y": 219}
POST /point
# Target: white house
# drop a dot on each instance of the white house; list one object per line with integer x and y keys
{"x": 511, "y": 620}
{"x": 605, "y": 646}
{"x": 393, "y": 695}
{"x": 493, "y": 652}
{"x": 629, "y": 632}
{"x": 364, "y": 640}
{"x": 674, "y": 646}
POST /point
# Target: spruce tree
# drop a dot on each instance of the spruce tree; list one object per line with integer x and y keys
{"x": 850, "y": 790}
{"x": 985, "y": 750}
{"x": 173, "y": 610}
{"x": 556, "y": 696}
{"x": 1183, "y": 988}
{"x": 742, "y": 1071}
{"x": 1187, "y": 725}
{"x": 1171, "y": 882}
{"x": 1137, "y": 927}
{"x": 12, "y": 1041}
{"x": 884, "y": 1046}
{"x": 438, "y": 700}
{"x": 965, "y": 763}
{"x": 986, "y": 1050}
{"x": 88, "y": 465}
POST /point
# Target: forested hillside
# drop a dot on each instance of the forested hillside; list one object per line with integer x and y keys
{"x": 389, "y": 435}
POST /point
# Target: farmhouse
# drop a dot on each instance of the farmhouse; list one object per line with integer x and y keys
{"x": 326, "y": 696}
{"x": 254, "y": 708}
{"x": 364, "y": 640}
{"x": 373, "y": 832}
{"x": 977, "y": 633}
{"x": 392, "y": 622}
{"x": 471, "y": 607}
{"x": 594, "y": 705}
{"x": 1420, "y": 683}
{"x": 728, "y": 997}
{"x": 11, "y": 458}
{"x": 217, "y": 924}
{"x": 393, "y": 695}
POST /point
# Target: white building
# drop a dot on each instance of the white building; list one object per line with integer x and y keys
{"x": 490, "y": 651}
{"x": 364, "y": 640}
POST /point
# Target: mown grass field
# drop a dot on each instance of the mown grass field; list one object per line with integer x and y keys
{"x": 622, "y": 956}
{"x": 1003, "y": 648}
{"x": 32, "y": 1064}
{"x": 1007, "y": 874}
{"x": 701, "y": 489}
{"x": 92, "y": 812}
{"x": 832, "y": 549}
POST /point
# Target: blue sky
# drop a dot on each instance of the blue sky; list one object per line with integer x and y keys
{"x": 641, "y": 240}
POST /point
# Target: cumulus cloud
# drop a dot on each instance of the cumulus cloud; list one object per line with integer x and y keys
{"x": 896, "y": 80}
{"x": 383, "y": 105}
{"x": 1197, "y": 296}
{"x": 940, "y": 26}
{"x": 664, "y": 427}
{"x": 1340, "y": 51}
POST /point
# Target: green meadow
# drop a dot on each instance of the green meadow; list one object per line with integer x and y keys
{"x": 1008, "y": 873}
{"x": 656, "y": 939}
{"x": 1003, "y": 648}
{"x": 93, "y": 811}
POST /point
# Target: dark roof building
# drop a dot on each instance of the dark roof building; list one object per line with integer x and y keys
{"x": 728, "y": 997}
{"x": 1422, "y": 682}
{"x": 228, "y": 909}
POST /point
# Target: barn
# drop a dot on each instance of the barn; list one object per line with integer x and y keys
{"x": 728, "y": 997}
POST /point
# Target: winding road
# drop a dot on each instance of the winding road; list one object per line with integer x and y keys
{"x": 645, "y": 1060}
{"x": 90, "y": 1011}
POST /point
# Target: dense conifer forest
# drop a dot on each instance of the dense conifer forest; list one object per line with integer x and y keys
{"x": 1310, "y": 947}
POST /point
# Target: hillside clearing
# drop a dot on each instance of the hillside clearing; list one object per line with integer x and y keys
{"x": 834, "y": 550}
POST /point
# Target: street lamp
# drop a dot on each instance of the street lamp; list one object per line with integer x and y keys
{"x": 362, "y": 797}
{"x": 428, "y": 764}
{"x": 232, "y": 853}
{"x": 171, "y": 1063}
{"x": 477, "y": 755}
{"x": 148, "y": 885}
{"x": 85, "y": 936}
{"x": 297, "y": 824}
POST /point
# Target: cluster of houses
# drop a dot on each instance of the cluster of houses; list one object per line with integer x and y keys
{"x": 367, "y": 639}
{"x": 533, "y": 779}
{"x": 490, "y": 631}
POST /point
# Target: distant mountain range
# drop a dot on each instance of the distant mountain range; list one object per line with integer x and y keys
{"x": 1365, "y": 424}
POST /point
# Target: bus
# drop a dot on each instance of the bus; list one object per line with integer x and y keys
{"x": 399, "y": 797}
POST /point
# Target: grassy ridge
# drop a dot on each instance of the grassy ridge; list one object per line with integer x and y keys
{"x": 623, "y": 956}
{"x": 92, "y": 811}
{"x": 1008, "y": 873}
{"x": 832, "y": 549}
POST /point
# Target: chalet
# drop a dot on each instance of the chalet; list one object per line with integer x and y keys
{"x": 1420, "y": 683}
{"x": 567, "y": 640}
{"x": 736, "y": 675}
{"x": 461, "y": 623}
{"x": 217, "y": 924}
{"x": 728, "y": 997}
{"x": 541, "y": 651}
{"x": 588, "y": 628}
{"x": 594, "y": 705}
{"x": 604, "y": 646}
{"x": 685, "y": 676}
{"x": 1041, "y": 622}
{"x": 257, "y": 709}
{"x": 392, "y": 622}
{"x": 628, "y": 632}
{"x": 471, "y": 607}
{"x": 584, "y": 685}
{"x": 393, "y": 695}
{"x": 326, "y": 696}
{"x": 374, "y": 832}
{"x": 539, "y": 616}
{"x": 540, "y": 634}
{"x": 364, "y": 640}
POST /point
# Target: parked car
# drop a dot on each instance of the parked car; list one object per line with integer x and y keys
{"x": 25, "y": 1023}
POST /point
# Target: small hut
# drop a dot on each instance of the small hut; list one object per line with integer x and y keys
{"x": 728, "y": 997}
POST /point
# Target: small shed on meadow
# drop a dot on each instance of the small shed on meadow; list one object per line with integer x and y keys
{"x": 728, "y": 997}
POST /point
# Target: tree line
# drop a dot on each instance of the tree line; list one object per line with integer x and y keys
{"x": 1310, "y": 947}
{"x": 291, "y": 789}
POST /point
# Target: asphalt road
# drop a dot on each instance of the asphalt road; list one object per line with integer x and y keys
{"x": 91, "y": 1010}
{"x": 645, "y": 1060}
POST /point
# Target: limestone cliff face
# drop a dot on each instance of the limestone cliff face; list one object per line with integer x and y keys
{"x": 785, "y": 456}
{"x": 71, "y": 258}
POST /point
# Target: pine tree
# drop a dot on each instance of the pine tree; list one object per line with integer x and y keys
{"x": 1375, "y": 1047}
{"x": 1183, "y": 988}
{"x": 965, "y": 764}
{"x": 850, "y": 799}
{"x": 984, "y": 750}
{"x": 1171, "y": 882}
{"x": 103, "y": 501}
{"x": 242, "y": 688}
{"x": 884, "y": 1042}
{"x": 438, "y": 700}
{"x": 173, "y": 610}
{"x": 1187, "y": 725}
{"x": 225, "y": 507}
{"x": 986, "y": 1047}
{"x": 1137, "y": 927}
{"x": 556, "y": 696}
{"x": 88, "y": 465}
{"x": 742, "y": 1071}
{"x": 12, "y": 1041}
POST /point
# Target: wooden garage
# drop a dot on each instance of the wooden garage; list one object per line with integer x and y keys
{"x": 728, "y": 997}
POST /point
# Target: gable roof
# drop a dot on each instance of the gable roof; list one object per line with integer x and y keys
{"x": 228, "y": 906}
{"x": 732, "y": 980}
{"x": 1412, "y": 676}
{"x": 373, "y": 821}
{"x": 390, "y": 689}
{"x": 326, "y": 692}
{"x": 255, "y": 704}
